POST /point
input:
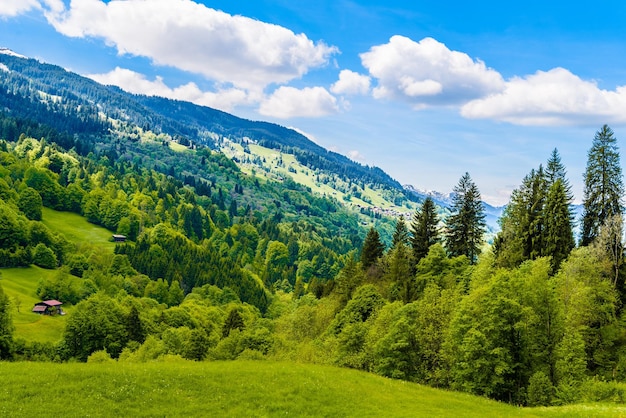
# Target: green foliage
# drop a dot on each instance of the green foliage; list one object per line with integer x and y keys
{"x": 540, "y": 390}
{"x": 604, "y": 188}
{"x": 44, "y": 257}
{"x": 466, "y": 225}
{"x": 372, "y": 249}
{"x": 424, "y": 229}
{"x": 6, "y": 327}
{"x": 97, "y": 323}
{"x": 30, "y": 203}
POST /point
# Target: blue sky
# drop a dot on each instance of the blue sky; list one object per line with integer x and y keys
{"x": 425, "y": 90}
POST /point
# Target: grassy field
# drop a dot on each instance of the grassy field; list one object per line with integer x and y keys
{"x": 76, "y": 229}
{"x": 20, "y": 284}
{"x": 240, "y": 388}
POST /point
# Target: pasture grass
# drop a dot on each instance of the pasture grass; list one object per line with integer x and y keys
{"x": 20, "y": 284}
{"x": 76, "y": 229}
{"x": 239, "y": 388}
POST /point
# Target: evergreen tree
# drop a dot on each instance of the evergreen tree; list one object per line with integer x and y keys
{"x": 424, "y": 231}
{"x": 555, "y": 170}
{"x": 372, "y": 249}
{"x": 466, "y": 224}
{"x": 134, "y": 327}
{"x": 559, "y": 237}
{"x": 604, "y": 188}
{"x": 233, "y": 321}
{"x": 401, "y": 234}
{"x": 6, "y": 327}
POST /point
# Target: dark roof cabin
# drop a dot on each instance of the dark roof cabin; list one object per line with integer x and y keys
{"x": 49, "y": 307}
{"x": 119, "y": 238}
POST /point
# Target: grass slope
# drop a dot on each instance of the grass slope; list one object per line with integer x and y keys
{"x": 20, "y": 284}
{"x": 240, "y": 388}
{"x": 76, "y": 229}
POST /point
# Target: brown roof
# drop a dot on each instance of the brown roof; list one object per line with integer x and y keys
{"x": 51, "y": 302}
{"x": 40, "y": 308}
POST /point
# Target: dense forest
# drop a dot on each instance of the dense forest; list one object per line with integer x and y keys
{"x": 532, "y": 320}
{"x": 220, "y": 265}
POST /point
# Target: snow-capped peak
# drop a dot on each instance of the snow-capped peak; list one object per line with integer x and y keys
{"x": 7, "y": 51}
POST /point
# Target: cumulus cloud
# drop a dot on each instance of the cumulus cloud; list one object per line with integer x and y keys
{"x": 427, "y": 73}
{"x": 248, "y": 53}
{"x": 555, "y": 97}
{"x": 289, "y": 102}
{"x": 12, "y": 8}
{"x": 355, "y": 155}
{"x": 137, "y": 83}
{"x": 351, "y": 82}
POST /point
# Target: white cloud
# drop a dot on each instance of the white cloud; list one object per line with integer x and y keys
{"x": 428, "y": 73}
{"x": 138, "y": 83}
{"x": 181, "y": 33}
{"x": 12, "y": 8}
{"x": 308, "y": 135}
{"x": 555, "y": 97}
{"x": 289, "y": 102}
{"x": 355, "y": 155}
{"x": 351, "y": 82}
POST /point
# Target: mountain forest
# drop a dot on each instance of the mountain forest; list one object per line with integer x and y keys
{"x": 223, "y": 261}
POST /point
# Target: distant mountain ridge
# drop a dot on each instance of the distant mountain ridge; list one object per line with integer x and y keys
{"x": 82, "y": 110}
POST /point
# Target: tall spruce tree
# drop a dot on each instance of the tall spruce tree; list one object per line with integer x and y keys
{"x": 372, "y": 249}
{"x": 559, "y": 236}
{"x": 401, "y": 234}
{"x": 466, "y": 225}
{"x": 604, "y": 187}
{"x": 424, "y": 230}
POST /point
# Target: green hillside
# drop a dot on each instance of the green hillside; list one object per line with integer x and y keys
{"x": 242, "y": 388}
{"x": 20, "y": 284}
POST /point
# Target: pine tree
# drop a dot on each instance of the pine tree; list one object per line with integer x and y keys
{"x": 604, "y": 188}
{"x": 466, "y": 225}
{"x": 401, "y": 234}
{"x": 559, "y": 237}
{"x": 555, "y": 170}
{"x": 372, "y": 249}
{"x": 424, "y": 230}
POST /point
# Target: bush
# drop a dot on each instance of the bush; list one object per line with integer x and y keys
{"x": 598, "y": 391}
{"x": 44, "y": 257}
{"x": 540, "y": 390}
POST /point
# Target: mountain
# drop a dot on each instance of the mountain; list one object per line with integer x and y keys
{"x": 44, "y": 100}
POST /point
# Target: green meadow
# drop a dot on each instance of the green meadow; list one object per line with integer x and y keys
{"x": 240, "y": 388}
{"x": 20, "y": 284}
{"x": 76, "y": 229}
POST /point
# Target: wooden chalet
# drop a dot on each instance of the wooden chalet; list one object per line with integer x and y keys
{"x": 119, "y": 238}
{"x": 49, "y": 307}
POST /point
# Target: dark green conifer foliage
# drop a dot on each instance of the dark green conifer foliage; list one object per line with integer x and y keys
{"x": 234, "y": 320}
{"x": 401, "y": 234}
{"x": 372, "y": 249}
{"x": 555, "y": 170}
{"x": 134, "y": 326}
{"x": 466, "y": 224}
{"x": 604, "y": 187}
{"x": 6, "y": 327}
{"x": 559, "y": 237}
{"x": 424, "y": 230}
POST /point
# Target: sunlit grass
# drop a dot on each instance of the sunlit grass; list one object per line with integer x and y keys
{"x": 76, "y": 229}
{"x": 20, "y": 284}
{"x": 239, "y": 388}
